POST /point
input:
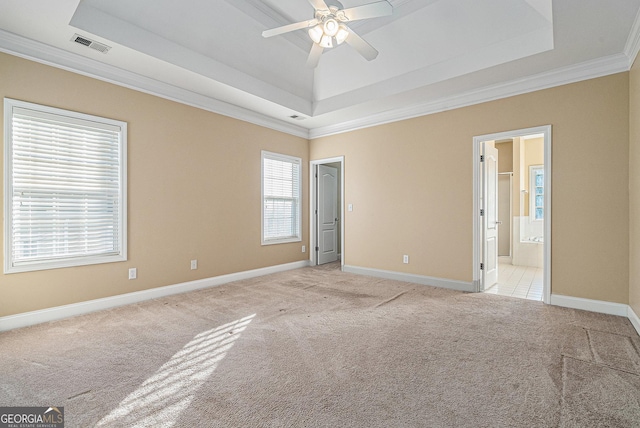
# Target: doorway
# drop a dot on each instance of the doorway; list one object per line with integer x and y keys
{"x": 518, "y": 264}
{"x": 327, "y": 211}
{"x": 505, "y": 213}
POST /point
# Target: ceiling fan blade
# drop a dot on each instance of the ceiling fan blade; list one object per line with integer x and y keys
{"x": 314, "y": 55}
{"x": 359, "y": 44}
{"x": 371, "y": 10}
{"x": 319, "y": 4}
{"x": 290, "y": 27}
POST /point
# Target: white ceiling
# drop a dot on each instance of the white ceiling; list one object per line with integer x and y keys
{"x": 434, "y": 54}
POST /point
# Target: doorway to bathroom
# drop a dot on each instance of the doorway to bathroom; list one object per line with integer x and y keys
{"x": 512, "y": 228}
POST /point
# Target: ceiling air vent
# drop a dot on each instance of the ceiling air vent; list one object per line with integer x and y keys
{"x": 295, "y": 116}
{"x": 100, "y": 47}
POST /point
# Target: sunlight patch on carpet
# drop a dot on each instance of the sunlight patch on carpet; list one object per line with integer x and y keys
{"x": 161, "y": 399}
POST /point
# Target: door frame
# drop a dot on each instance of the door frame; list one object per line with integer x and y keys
{"x": 313, "y": 200}
{"x": 477, "y": 195}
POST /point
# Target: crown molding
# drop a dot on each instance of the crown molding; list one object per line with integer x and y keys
{"x": 52, "y": 56}
{"x": 632, "y": 47}
{"x": 49, "y": 55}
{"x": 587, "y": 70}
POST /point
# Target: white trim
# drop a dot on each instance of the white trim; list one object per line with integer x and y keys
{"x": 59, "y": 58}
{"x": 61, "y": 312}
{"x": 294, "y": 161}
{"x": 598, "y": 306}
{"x": 8, "y": 165}
{"x": 632, "y": 47}
{"x": 477, "y": 221}
{"x": 67, "y": 117}
{"x": 408, "y": 277}
{"x": 477, "y": 193}
{"x": 52, "y": 56}
{"x": 633, "y": 317}
{"x": 546, "y": 281}
{"x": 575, "y": 73}
{"x": 313, "y": 239}
{"x": 51, "y": 314}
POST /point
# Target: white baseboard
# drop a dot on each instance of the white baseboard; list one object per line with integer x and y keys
{"x": 51, "y": 314}
{"x": 633, "y": 317}
{"x": 408, "y": 277}
{"x": 599, "y": 306}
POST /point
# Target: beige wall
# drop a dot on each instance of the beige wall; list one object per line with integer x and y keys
{"x": 194, "y": 188}
{"x": 505, "y": 156}
{"x": 194, "y": 191}
{"x": 506, "y": 164}
{"x": 518, "y": 177}
{"x": 634, "y": 188}
{"x": 410, "y": 184}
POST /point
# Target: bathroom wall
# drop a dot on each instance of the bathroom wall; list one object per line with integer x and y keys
{"x": 505, "y": 171}
{"x": 527, "y": 233}
{"x": 505, "y": 155}
{"x": 533, "y": 155}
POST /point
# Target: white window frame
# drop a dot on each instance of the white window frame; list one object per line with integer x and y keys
{"x": 532, "y": 192}
{"x": 282, "y": 158}
{"x": 10, "y": 265}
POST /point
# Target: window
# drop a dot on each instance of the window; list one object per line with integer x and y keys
{"x": 536, "y": 192}
{"x": 65, "y": 188}
{"x": 281, "y": 182}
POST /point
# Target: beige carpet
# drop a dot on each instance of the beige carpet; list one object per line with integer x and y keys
{"x": 317, "y": 347}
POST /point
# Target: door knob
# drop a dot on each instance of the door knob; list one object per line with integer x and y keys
{"x": 498, "y": 222}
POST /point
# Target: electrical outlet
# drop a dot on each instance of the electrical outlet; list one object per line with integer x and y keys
{"x": 133, "y": 273}
{"x": 405, "y": 259}
{"x": 194, "y": 264}
{"x": 304, "y": 248}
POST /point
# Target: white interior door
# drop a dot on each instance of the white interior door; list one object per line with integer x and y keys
{"x": 327, "y": 214}
{"x": 490, "y": 222}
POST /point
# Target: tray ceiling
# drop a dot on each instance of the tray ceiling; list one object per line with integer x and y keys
{"x": 431, "y": 52}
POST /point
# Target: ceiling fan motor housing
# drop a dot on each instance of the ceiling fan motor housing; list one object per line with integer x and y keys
{"x": 329, "y": 31}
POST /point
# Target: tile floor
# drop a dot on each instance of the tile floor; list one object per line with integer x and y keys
{"x": 518, "y": 281}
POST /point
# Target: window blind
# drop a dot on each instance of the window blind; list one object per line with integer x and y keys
{"x": 66, "y": 190}
{"x": 281, "y": 198}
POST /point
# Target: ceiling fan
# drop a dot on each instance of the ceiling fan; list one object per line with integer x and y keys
{"x": 329, "y": 27}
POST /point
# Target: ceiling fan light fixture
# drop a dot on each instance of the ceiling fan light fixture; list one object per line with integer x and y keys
{"x": 326, "y": 42}
{"x": 316, "y": 33}
{"x": 342, "y": 34}
{"x": 331, "y": 27}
